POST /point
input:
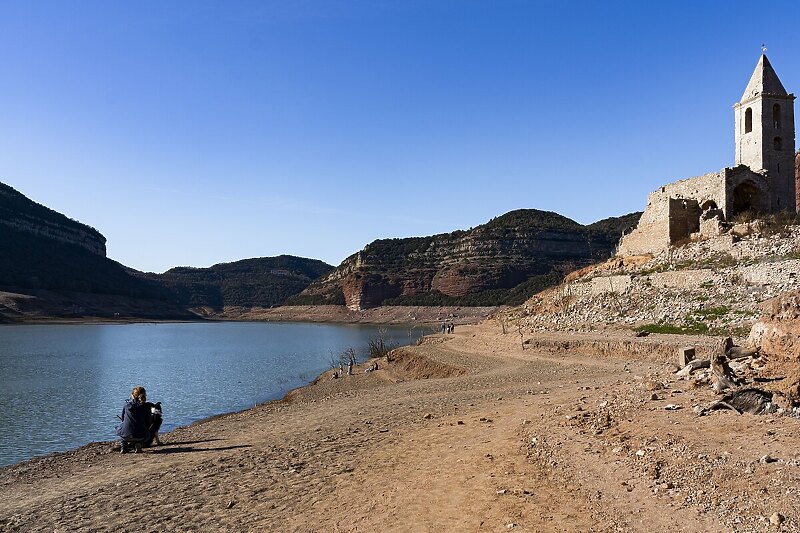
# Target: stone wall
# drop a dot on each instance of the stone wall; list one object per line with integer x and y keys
{"x": 674, "y": 211}
{"x": 797, "y": 180}
{"x": 656, "y": 231}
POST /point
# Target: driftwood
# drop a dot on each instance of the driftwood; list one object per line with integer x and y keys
{"x": 691, "y": 366}
{"x": 748, "y": 400}
{"x": 726, "y": 378}
{"x": 736, "y": 352}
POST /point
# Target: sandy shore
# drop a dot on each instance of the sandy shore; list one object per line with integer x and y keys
{"x": 378, "y": 315}
{"x": 467, "y": 432}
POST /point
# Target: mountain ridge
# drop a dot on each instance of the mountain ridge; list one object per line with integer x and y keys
{"x": 525, "y": 249}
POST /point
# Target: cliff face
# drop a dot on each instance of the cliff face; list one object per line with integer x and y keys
{"x": 52, "y": 266}
{"x": 19, "y": 213}
{"x": 501, "y": 262}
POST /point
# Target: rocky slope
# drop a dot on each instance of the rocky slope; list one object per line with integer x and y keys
{"x": 500, "y": 262}
{"x": 713, "y": 286}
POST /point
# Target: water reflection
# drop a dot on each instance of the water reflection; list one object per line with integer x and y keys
{"x": 62, "y": 386}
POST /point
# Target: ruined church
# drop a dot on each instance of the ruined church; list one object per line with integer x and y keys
{"x": 762, "y": 182}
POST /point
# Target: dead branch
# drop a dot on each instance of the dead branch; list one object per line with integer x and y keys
{"x": 748, "y": 400}
{"x": 726, "y": 378}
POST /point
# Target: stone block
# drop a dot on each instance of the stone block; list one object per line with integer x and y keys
{"x": 685, "y": 355}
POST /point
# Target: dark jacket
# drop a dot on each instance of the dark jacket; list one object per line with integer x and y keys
{"x": 135, "y": 421}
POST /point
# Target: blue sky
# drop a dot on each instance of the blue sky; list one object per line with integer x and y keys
{"x": 193, "y": 133}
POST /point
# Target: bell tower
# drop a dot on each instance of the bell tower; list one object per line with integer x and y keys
{"x": 765, "y": 134}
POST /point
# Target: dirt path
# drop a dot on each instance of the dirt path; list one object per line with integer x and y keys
{"x": 501, "y": 440}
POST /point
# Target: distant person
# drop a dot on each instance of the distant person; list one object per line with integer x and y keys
{"x": 134, "y": 430}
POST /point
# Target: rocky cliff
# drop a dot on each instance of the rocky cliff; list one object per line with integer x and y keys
{"x": 19, "y": 213}
{"x": 501, "y": 262}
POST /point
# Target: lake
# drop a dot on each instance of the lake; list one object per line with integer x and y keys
{"x": 62, "y": 386}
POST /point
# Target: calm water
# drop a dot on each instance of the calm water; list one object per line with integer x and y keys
{"x": 61, "y": 386}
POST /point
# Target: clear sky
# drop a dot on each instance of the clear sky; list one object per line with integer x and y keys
{"x": 193, "y": 133}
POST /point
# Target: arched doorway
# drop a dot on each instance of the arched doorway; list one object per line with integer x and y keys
{"x": 746, "y": 197}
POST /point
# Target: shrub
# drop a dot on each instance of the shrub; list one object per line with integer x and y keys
{"x": 378, "y": 347}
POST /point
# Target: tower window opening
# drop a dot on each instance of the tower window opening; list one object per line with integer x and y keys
{"x": 776, "y": 116}
{"x": 748, "y": 120}
{"x": 777, "y": 144}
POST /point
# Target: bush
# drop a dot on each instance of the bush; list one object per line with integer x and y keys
{"x": 378, "y": 347}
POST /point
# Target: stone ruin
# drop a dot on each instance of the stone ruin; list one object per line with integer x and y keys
{"x": 762, "y": 182}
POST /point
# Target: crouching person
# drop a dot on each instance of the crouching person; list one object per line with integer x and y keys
{"x": 134, "y": 432}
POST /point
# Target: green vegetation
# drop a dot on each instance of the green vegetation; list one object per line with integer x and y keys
{"x": 531, "y": 219}
{"x": 692, "y": 328}
{"x": 332, "y": 296}
{"x": 710, "y": 313}
{"x": 516, "y": 295}
{"x": 696, "y": 323}
{"x": 260, "y": 282}
{"x": 14, "y": 206}
{"x": 34, "y": 262}
{"x": 503, "y": 262}
{"x": 716, "y": 260}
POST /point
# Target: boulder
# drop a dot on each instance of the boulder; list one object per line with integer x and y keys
{"x": 777, "y": 333}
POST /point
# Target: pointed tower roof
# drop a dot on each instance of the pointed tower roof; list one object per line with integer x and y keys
{"x": 763, "y": 80}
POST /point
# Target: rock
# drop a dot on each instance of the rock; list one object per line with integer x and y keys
{"x": 765, "y": 459}
{"x": 693, "y": 365}
{"x": 230, "y": 505}
{"x": 685, "y": 355}
{"x": 776, "y": 519}
{"x": 672, "y": 407}
{"x": 654, "y": 396}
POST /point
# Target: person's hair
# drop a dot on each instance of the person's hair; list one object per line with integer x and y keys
{"x": 139, "y": 394}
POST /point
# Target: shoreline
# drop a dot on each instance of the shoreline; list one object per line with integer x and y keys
{"x": 464, "y": 432}
{"x": 389, "y": 315}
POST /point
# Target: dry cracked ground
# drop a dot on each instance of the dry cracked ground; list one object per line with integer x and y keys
{"x": 466, "y": 432}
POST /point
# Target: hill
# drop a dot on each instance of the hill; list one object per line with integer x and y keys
{"x": 258, "y": 282}
{"x": 709, "y": 286}
{"x": 54, "y": 267}
{"x": 21, "y": 214}
{"x": 504, "y": 261}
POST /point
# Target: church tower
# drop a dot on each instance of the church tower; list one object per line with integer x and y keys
{"x": 765, "y": 133}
